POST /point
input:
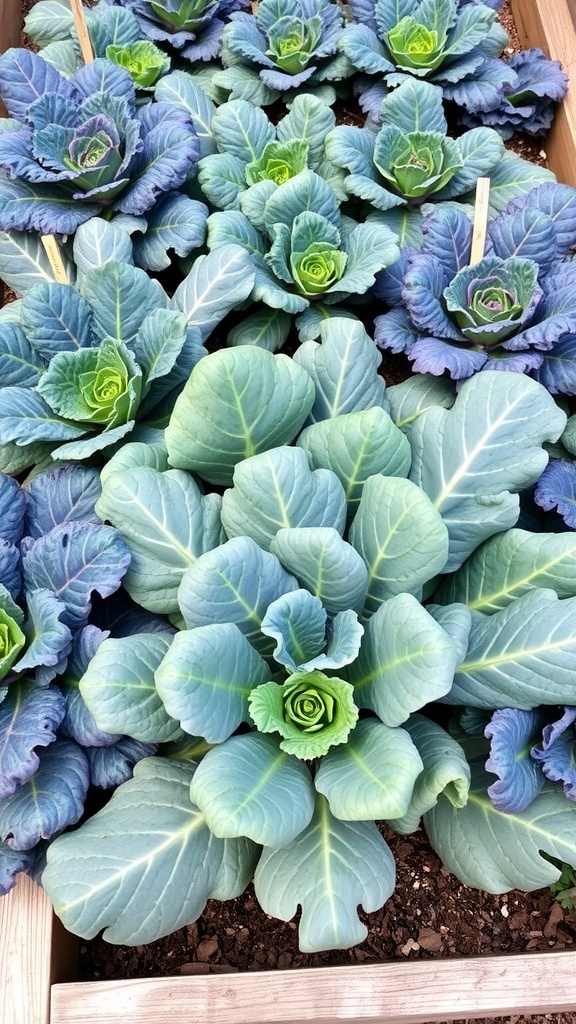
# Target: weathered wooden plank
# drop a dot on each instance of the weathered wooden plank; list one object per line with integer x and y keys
{"x": 34, "y": 951}
{"x": 10, "y": 21}
{"x": 548, "y": 24}
{"x": 414, "y": 993}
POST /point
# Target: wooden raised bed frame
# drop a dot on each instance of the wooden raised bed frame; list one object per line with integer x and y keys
{"x": 38, "y": 958}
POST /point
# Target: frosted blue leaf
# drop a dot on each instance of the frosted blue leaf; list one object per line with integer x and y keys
{"x": 395, "y": 331}
{"x": 175, "y": 223}
{"x": 370, "y": 247}
{"x": 456, "y": 619}
{"x": 166, "y": 523}
{"x": 305, "y": 638}
{"x": 10, "y": 574}
{"x": 529, "y": 233}
{"x": 344, "y": 370}
{"x": 324, "y": 564}
{"x": 557, "y": 371}
{"x": 173, "y": 856}
{"x": 431, "y": 355}
{"x": 234, "y": 583}
{"x": 180, "y": 88}
{"x": 49, "y": 21}
{"x": 205, "y": 678}
{"x": 24, "y": 263}
{"x": 159, "y": 342}
{"x": 103, "y": 77}
{"x": 222, "y": 178}
{"x": 216, "y": 283}
{"x": 242, "y": 130}
{"x": 278, "y": 489}
{"x": 406, "y": 660}
{"x": 413, "y": 396}
{"x": 50, "y": 801}
{"x": 311, "y": 119}
{"x": 461, "y": 445}
{"x": 481, "y": 149}
{"x": 78, "y": 722}
{"x": 26, "y": 206}
{"x": 556, "y": 488}
{"x": 63, "y": 495}
{"x": 98, "y": 242}
{"x": 513, "y": 177}
{"x": 93, "y": 443}
{"x": 249, "y": 787}
{"x": 29, "y": 718}
{"x": 559, "y": 203}
{"x": 520, "y": 779}
{"x": 414, "y": 107}
{"x": 305, "y": 191}
{"x": 12, "y": 507}
{"x": 371, "y": 776}
{"x": 74, "y": 560}
{"x": 110, "y": 766}
{"x": 48, "y": 639}
{"x": 24, "y": 77}
{"x": 25, "y": 417}
{"x": 20, "y": 365}
{"x": 363, "y": 48}
{"x": 328, "y": 870}
{"x": 233, "y": 227}
{"x": 502, "y": 671}
{"x": 121, "y": 297}
{"x": 119, "y": 690}
{"x": 56, "y": 318}
{"x": 266, "y": 328}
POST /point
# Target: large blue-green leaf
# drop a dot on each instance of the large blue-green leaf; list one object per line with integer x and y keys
{"x": 324, "y": 564}
{"x": 344, "y": 370}
{"x": 370, "y": 247}
{"x": 177, "y": 224}
{"x": 119, "y": 690}
{"x": 305, "y": 191}
{"x": 267, "y": 328}
{"x": 215, "y": 284}
{"x": 311, "y": 119}
{"x": 522, "y": 656}
{"x": 159, "y": 342}
{"x": 415, "y": 395}
{"x": 497, "y": 851}
{"x": 511, "y": 178}
{"x": 49, "y": 21}
{"x": 166, "y": 522}
{"x": 25, "y": 417}
{"x": 20, "y": 365}
{"x": 238, "y": 402}
{"x": 415, "y": 106}
{"x": 56, "y": 318}
{"x": 406, "y": 660}
{"x": 148, "y": 847}
{"x": 29, "y": 718}
{"x": 469, "y": 458}
{"x": 508, "y": 566}
{"x": 234, "y": 583}
{"x": 249, "y": 787}
{"x": 133, "y": 455}
{"x": 121, "y": 297}
{"x": 222, "y": 178}
{"x": 242, "y": 129}
{"x": 481, "y": 150}
{"x": 329, "y": 870}
{"x": 73, "y": 561}
{"x": 180, "y": 88}
{"x": 401, "y": 538}
{"x": 98, "y": 242}
{"x": 372, "y": 775}
{"x": 305, "y": 638}
{"x": 355, "y": 446}
{"x": 205, "y": 678}
{"x": 276, "y": 490}
{"x": 49, "y": 801}
{"x": 27, "y": 206}
{"x": 446, "y": 771}
{"x": 78, "y": 723}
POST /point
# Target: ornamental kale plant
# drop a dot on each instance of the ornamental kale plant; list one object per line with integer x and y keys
{"x": 284, "y": 45}
{"x": 54, "y": 554}
{"x": 302, "y": 247}
{"x": 78, "y": 147}
{"x": 304, "y": 654}
{"x": 514, "y": 310}
{"x": 193, "y": 27}
{"x": 80, "y": 366}
{"x": 451, "y": 45}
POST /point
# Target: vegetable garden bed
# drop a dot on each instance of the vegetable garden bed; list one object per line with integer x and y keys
{"x": 39, "y": 956}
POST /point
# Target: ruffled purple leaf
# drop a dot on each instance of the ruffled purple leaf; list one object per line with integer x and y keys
{"x": 105, "y": 77}
{"x": 112, "y": 765}
{"x": 556, "y": 488}
{"x": 512, "y": 733}
{"x": 50, "y": 801}
{"x": 529, "y": 233}
{"x": 559, "y": 203}
{"x": 207, "y": 44}
{"x": 485, "y": 87}
{"x": 424, "y": 284}
{"x": 447, "y": 238}
{"x": 73, "y": 561}
{"x": 557, "y": 371}
{"x": 431, "y": 355}
{"x": 554, "y": 730}
{"x": 10, "y": 576}
{"x": 48, "y": 639}
{"x": 394, "y": 331}
{"x": 29, "y": 718}
{"x": 388, "y": 283}
{"x": 20, "y": 365}
{"x": 63, "y": 495}
{"x": 556, "y": 755}
{"x": 170, "y": 153}
{"x": 520, "y": 362}
{"x": 280, "y": 81}
{"x": 25, "y": 206}
{"x": 12, "y": 506}
{"x": 78, "y": 722}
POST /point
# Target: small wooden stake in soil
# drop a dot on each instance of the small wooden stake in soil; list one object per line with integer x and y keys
{"x": 480, "y": 220}
{"x": 82, "y": 30}
{"x": 52, "y": 250}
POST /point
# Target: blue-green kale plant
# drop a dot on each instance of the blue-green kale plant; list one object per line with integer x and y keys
{"x": 78, "y": 147}
{"x": 513, "y": 310}
{"x": 304, "y": 655}
{"x": 80, "y": 367}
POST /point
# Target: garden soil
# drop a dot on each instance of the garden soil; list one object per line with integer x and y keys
{"x": 430, "y": 914}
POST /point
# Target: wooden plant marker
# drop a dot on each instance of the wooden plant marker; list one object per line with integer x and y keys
{"x": 50, "y": 244}
{"x": 480, "y": 220}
